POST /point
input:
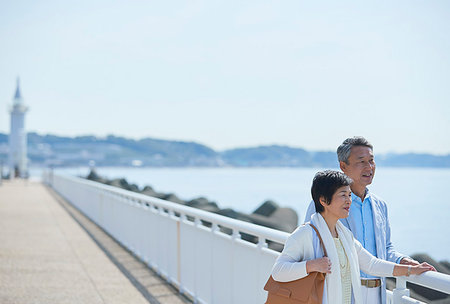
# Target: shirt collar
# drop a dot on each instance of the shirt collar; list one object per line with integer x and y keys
{"x": 357, "y": 199}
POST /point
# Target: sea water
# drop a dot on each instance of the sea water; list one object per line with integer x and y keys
{"x": 418, "y": 200}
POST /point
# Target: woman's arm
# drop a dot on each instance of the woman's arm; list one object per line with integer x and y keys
{"x": 378, "y": 267}
{"x": 372, "y": 265}
{"x": 295, "y": 261}
{"x": 406, "y": 270}
{"x": 287, "y": 269}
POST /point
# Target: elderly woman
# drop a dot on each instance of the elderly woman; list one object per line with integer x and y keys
{"x": 303, "y": 254}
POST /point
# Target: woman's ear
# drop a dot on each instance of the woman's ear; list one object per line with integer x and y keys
{"x": 323, "y": 202}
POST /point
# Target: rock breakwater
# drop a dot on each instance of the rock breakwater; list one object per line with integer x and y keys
{"x": 268, "y": 214}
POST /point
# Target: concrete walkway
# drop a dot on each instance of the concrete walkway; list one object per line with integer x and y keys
{"x": 47, "y": 257}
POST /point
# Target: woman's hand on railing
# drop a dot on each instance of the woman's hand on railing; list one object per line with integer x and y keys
{"x": 407, "y": 270}
{"x": 408, "y": 261}
{"x": 421, "y": 268}
{"x": 319, "y": 265}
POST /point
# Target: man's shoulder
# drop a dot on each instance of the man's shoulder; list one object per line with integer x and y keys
{"x": 377, "y": 199}
{"x": 379, "y": 206}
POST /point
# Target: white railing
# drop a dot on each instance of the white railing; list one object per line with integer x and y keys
{"x": 434, "y": 280}
{"x": 188, "y": 246}
{"x": 201, "y": 260}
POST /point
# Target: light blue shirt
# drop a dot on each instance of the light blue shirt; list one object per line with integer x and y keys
{"x": 363, "y": 219}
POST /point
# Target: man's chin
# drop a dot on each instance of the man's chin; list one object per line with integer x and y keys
{"x": 367, "y": 181}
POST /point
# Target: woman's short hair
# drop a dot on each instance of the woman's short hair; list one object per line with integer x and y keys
{"x": 325, "y": 184}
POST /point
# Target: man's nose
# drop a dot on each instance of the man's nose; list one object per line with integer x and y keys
{"x": 371, "y": 165}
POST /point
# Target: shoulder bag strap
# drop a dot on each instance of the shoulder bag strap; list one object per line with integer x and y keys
{"x": 320, "y": 239}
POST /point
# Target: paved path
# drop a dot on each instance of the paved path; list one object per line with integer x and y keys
{"x": 50, "y": 253}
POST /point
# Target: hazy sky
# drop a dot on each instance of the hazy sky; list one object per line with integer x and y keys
{"x": 233, "y": 73}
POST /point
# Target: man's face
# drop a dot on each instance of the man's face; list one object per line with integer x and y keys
{"x": 360, "y": 167}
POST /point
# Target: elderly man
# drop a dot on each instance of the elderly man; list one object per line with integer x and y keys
{"x": 368, "y": 217}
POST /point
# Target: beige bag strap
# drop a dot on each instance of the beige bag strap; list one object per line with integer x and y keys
{"x": 320, "y": 239}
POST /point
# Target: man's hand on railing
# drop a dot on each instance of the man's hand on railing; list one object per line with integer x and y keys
{"x": 408, "y": 261}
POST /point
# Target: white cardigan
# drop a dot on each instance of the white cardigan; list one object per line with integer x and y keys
{"x": 303, "y": 245}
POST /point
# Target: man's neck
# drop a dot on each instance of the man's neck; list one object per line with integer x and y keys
{"x": 360, "y": 192}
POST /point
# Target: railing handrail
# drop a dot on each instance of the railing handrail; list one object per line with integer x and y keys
{"x": 432, "y": 279}
{"x": 246, "y": 227}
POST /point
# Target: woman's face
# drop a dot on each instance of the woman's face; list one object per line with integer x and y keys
{"x": 339, "y": 206}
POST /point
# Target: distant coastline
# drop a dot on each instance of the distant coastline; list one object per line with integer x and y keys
{"x": 58, "y": 151}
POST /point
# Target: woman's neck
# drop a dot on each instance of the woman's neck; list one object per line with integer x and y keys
{"x": 331, "y": 223}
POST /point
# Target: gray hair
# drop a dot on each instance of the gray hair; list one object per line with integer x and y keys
{"x": 343, "y": 151}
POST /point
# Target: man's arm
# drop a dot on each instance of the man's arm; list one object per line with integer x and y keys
{"x": 395, "y": 256}
{"x": 391, "y": 254}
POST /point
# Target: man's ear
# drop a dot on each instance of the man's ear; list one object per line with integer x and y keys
{"x": 343, "y": 166}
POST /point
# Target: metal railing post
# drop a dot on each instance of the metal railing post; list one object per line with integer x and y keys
{"x": 400, "y": 290}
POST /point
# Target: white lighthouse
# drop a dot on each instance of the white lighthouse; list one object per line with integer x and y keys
{"x": 18, "y": 137}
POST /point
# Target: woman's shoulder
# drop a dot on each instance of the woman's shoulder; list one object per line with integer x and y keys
{"x": 302, "y": 232}
{"x": 300, "y": 239}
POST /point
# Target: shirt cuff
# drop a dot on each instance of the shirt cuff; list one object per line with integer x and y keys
{"x": 401, "y": 257}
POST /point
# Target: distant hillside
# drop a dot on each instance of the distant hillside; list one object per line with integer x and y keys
{"x": 46, "y": 150}
{"x": 414, "y": 160}
{"x": 280, "y": 156}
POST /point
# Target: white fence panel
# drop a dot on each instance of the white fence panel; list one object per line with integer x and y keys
{"x": 187, "y": 258}
{"x": 245, "y": 266}
{"x": 222, "y": 269}
{"x": 153, "y": 235}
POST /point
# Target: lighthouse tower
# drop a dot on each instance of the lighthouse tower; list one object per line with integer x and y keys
{"x": 18, "y": 137}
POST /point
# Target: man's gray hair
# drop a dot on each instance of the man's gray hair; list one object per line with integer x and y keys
{"x": 343, "y": 151}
